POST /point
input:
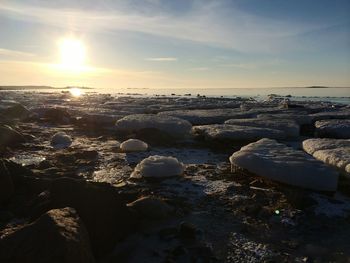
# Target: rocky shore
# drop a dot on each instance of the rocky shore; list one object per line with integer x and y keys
{"x": 104, "y": 178}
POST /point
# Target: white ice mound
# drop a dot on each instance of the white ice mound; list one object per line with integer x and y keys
{"x": 61, "y": 140}
{"x": 133, "y": 145}
{"x": 279, "y": 162}
{"x": 333, "y": 128}
{"x": 335, "y": 152}
{"x": 170, "y": 125}
{"x": 236, "y": 132}
{"x": 289, "y": 127}
{"x": 158, "y": 167}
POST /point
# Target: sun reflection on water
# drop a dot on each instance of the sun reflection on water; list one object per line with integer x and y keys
{"x": 76, "y": 92}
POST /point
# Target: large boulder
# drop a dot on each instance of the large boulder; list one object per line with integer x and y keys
{"x": 333, "y": 128}
{"x": 6, "y": 184}
{"x": 9, "y": 136}
{"x": 170, "y": 125}
{"x": 102, "y": 209}
{"x": 58, "y": 236}
{"x": 281, "y": 163}
{"x": 13, "y": 110}
{"x": 334, "y": 152}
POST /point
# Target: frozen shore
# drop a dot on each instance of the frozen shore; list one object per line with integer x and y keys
{"x": 68, "y": 165}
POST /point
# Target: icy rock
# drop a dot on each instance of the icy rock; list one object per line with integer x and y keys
{"x": 335, "y": 152}
{"x": 289, "y": 127}
{"x": 236, "y": 132}
{"x": 300, "y": 118}
{"x": 276, "y": 161}
{"x": 157, "y": 166}
{"x": 342, "y": 114}
{"x": 133, "y": 145}
{"x": 61, "y": 140}
{"x": 9, "y": 136}
{"x": 333, "y": 128}
{"x": 170, "y": 125}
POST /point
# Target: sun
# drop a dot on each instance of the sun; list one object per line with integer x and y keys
{"x": 73, "y": 54}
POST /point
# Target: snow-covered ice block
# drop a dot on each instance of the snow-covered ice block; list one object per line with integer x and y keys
{"x": 61, "y": 140}
{"x": 170, "y": 125}
{"x": 333, "y": 128}
{"x": 335, "y": 152}
{"x": 289, "y": 127}
{"x": 156, "y": 166}
{"x": 300, "y": 118}
{"x": 278, "y": 162}
{"x": 236, "y": 132}
{"x": 133, "y": 145}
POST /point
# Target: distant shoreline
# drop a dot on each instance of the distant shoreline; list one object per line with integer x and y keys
{"x": 39, "y": 87}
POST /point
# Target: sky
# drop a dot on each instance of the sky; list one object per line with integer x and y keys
{"x": 176, "y": 44}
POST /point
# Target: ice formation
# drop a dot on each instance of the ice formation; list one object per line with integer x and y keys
{"x": 302, "y": 118}
{"x": 170, "y": 125}
{"x": 61, "y": 140}
{"x": 335, "y": 152}
{"x": 156, "y": 166}
{"x": 333, "y": 128}
{"x": 133, "y": 145}
{"x": 276, "y": 161}
{"x": 289, "y": 127}
{"x": 236, "y": 132}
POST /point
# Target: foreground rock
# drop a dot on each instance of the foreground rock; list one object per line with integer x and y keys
{"x": 103, "y": 211}
{"x": 302, "y": 118}
{"x": 330, "y": 151}
{"x": 58, "y": 236}
{"x": 333, "y": 128}
{"x": 227, "y": 132}
{"x": 13, "y": 110}
{"x": 9, "y": 136}
{"x": 278, "y": 162}
{"x": 289, "y": 127}
{"x": 170, "y": 125}
{"x": 158, "y": 167}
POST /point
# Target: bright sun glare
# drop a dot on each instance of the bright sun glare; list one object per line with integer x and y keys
{"x": 72, "y": 54}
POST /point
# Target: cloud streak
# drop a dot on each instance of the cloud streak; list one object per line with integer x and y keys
{"x": 162, "y": 59}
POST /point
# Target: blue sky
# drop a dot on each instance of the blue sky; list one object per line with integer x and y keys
{"x": 178, "y": 44}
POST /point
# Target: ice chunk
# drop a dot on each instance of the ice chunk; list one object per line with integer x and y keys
{"x": 61, "y": 140}
{"x": 333, "y": 128}
{"x": 289, "y": 127}
{"x": 236, "y": 132}
{"x": 133, "y": 145}
{"x": 334, "y": 152}
{"x": 299, "y": 117}
{"x": 157, "y": 166}
{"x": 276, "y": 161}
{"x": 170, "y": 125}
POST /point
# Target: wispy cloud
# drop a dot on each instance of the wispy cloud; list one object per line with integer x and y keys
{"x": 232, "y": 29}
{"x": 162, "y": 59}
{"x": 14, "y": 53}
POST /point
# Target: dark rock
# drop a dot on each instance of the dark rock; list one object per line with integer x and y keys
{"x": 188, "y": 230}
{"x": 16, "y": 111}
{"x": 151, "y": 207}
{"x": 9, "y": 136}
{"x": 6, "y": 184}
{"x": 57, "y": 115}
{"x": 57, "y": 236}
{"x": 103, "y": 211}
